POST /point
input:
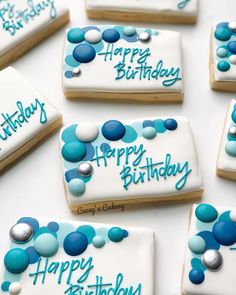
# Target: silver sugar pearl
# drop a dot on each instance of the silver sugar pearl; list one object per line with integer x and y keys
{"x": 212, "y": 259}
{"x": 232, "y": 131}
{"x": 21, "y": 233}
{"x": 85, "y": 169}
{"x": 144, "y": 37}
{"x": 76, "y": 72}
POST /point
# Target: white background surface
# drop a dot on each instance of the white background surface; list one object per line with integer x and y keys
{"x": 34, "y": 187}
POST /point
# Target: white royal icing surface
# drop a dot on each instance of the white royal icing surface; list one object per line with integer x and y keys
{"x": 109, "y": 261}
{"x": 220, "y": 282}
{"x": 13, "y": 13}
{"x": 100, "y": 76}
{"x": 106, "y": 182}
{"x": 225, "y": 161}
{"x": 150, "y": 6}
{"x": 14, "y": 88}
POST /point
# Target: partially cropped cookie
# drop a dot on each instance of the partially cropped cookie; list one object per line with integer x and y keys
{"x": 76, "y": 258}
{"x": 210, "y": 255}
{"x": 163, "y": 11}
{"x": 223, "y": 56}
{"x": 110, "y": 164}
{"x": 226, "y": 165}
{"x": 123, "y": 63}
{"x": 25, "y": 23}
{"x": 26, "y": 116}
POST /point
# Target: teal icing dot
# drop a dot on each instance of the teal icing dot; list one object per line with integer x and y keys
{"x": 70, "y": 61}
{"x": 116, "y": 234}
{"x": 225, "y": 216}
{"x": 222, "y": 34}
{"x": 74, "y": 151}
{"x": 206, "y": 213}
{"x": 98, "y": 242}
{"x": 197, "y": 245}
{"x": 5, "y": 286}
{"x": 230, "y": 148}
{"x": 120, "y": 29}
{"x": 223, "y": 66}
{"x": 87, "y": 230}
{"x": 159, "y": 125}
{"x": 44, "y": 230}
{"x": 233, "y": 116}
{"x": 46, "y": 245}
{"x": 75, "y": 35}
{"x": 64, "y": 230}
{"x": 77, "y": 187}
{"x": 149, "y": 133}
{"x": 16, "y": 260}
{"x": 130, "y": 135}
{"x": 221, "y": 52}
{"x": 197, "y": 264}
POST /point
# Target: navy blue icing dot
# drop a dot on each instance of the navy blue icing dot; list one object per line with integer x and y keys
{"x": 148, "y": 123}
{"x": 113, "y": 130}
{"x": 75, "y": 35}
{"x": 33, "y": 255}
{"x": 209, "y": 239}
{"x": 105, "y": 147}
{"x": 196, "y": 276}
{"x": 75, "y": 243}
{"x": 225, "y": 232}
{"x": 111, "y": 35}
{"x": 74, "y": 151}
{"x": 170, "y": 124}
{"x": 73, "y": 173}
{"x": 90, "y": 152}
{"x": 222, "y": 25}
{"x": 69, "y": 75}
{"x": 232, "y": 47}
{"x": 222, "y": 34}
{"x": 84, "y": 53}
{"x": 53, "y": 226}
{"x": 30, "y": 221}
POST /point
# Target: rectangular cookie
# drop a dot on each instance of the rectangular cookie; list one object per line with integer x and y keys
{"x": 26, "y": 116}
{"x": 210, "y": 253}
{"x": 25, "y": 23}
{"x": 76, "y": 258}
{"x": 112, "y": 164}
{"x": 162, "y": 11}
{"x": 226, "y": 165}
{"x": 223, "y": 57}
{"x": 123, "y": 63}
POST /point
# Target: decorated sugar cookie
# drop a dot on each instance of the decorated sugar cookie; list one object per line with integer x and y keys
{"x": 76, "y": 258}
{"x": 223, "y": 56}
{"x": 163, "y": 11}
{"x": 123, "y": 63}
{"x": 210, "y": 255}
{"x": 26, "y": 116}
{"x": 226, "y": 166}
{"x": 24, "y": 23}
{"x": 110, "y": 164}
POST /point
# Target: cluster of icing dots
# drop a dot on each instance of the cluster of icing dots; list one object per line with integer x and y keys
{"x": 80, "y": 142}
{"x": 87, "y": 42}
{"x": 225, "y": 33}
{"x": 205, "y": 245}
{"x": 30, "y": 242}
{"x": 230, "y": 146}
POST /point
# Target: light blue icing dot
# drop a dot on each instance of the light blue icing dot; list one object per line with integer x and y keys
{"x": 98, "y": 46}
{"x": 98, "y": 242}
{"x": 197, "y": 263}
{"x": 221, "y": 52}
{"x": 130, "y": 135}
{"x": 43, "y": 230}
{"x": 223, "y": 66}
{"x": 206, "y": 213}
{"x": 89, "y": 231}
{"x": 129, "y": 31}
{"x": 75, "y": 35}
{"x": 233, "y": 116}
{"x": 5, "y": 286}
{"x": 46, "y": 245}
{"x": 16, "y": 261}
{"x": 230, "y": 148}
{"x": 11, "y": 277}
{"x": 71, "y": 61}
{"x": 103, "y": 232}
{"x": 33, "y": 255}
{"x": 30, "y": 221}
{"x": 53, "y": 226}
{"x": 197, "y": 245}
{"x": 222, "y": 34}
{"x": 64, "y": 230}
{"x": 159, "y": 125}
{"x": 68, "y": 134}
{"x": 69, "y": 75}
{"x": 149, "y": 133}
{"x": 84, "y": 53}
{"x": 104, "y": 147}
{"x": 74, "y": 151}
{"x": 77, "y": 187}
{"x": 148, "y": 123}
{"x": 116, "y": 234}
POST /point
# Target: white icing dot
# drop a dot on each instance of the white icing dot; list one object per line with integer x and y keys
{"x": 232, "y": 26}
{"x": 232, "y": 59}
{"x": 232, "y": 215}
{"x": 93, "y": 36}
{"x": 87, "y": 131}
{"x": 15, "y": 288}
{"x": 144, "y": 36}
